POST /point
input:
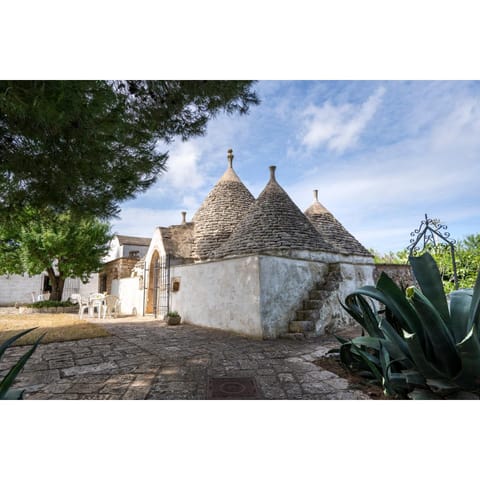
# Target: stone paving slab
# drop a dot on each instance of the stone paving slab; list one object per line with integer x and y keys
{"x": 146, "y": 359}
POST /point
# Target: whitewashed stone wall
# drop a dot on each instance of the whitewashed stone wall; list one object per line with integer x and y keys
{"x": 284, "y": 283}
{"x": 259, "y": 295}
{"x": 222, "y": 294}
{"x": 131, "y": 296}
{"x": 19, "y": 288}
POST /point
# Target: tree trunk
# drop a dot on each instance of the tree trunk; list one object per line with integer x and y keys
{"x": 57, "y": 283}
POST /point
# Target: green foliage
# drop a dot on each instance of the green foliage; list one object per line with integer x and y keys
{"x": 173, "y": 314}
{"x": 467, "y": 256}
{"x": 50, "y": 303}
{"x": 421, "y": 345}
{"x": 64, "y": 244}
{"x": 84, "y": 146}
{"x": 6, "y": 393}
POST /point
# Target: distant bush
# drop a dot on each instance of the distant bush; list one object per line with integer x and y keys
{"x": 50, "y": 303}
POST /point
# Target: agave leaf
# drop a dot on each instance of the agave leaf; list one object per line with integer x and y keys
{"x": 469, "y": 350}
{"x": 371, "y": 319}
{"x": 388, "y": 388}
{"x": 443, "y": 351}
{"x": 13, "y": 339}
{"x": 441, "y": 387}
{"x": 413, "y": 377}
{"x": 13, "y": 395}
{"x": 352, "y": 307}
{"x": 397, "y": 346}
{"x": 423, "y": 365}
{"x": 421, "y": 394}
{"x": 373, "y": 368}
{"x": 391, "y": 296}
{"x": 428, "y": 276}
{"x": 369, "y": 342}
{"x": 460, "y": 303}
{"x": 8, "y": 380}
{"x": 462, "y": 395}
{"x": 475, "y": 307}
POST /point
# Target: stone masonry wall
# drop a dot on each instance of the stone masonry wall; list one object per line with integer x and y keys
{"x": 400, "y": 274}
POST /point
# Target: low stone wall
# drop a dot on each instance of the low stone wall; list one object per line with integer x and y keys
{"x": 28, "y": 310}
{"x": 400, "y": 274}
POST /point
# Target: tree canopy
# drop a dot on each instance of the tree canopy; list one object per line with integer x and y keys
{"x": 62, "y": 244}
{"x": 85, "y": 146}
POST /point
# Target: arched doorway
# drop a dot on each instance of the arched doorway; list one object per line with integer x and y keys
{"x": 153, "y": 274}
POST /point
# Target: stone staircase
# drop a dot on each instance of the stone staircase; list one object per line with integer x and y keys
{"x": 309, "y": 313}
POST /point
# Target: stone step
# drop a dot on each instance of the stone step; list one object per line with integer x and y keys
{"x": 301, "y": 326}
{"x": 307, "y": 315}
{"x": 319, "y": 294}
{"x": 312, "y": 304}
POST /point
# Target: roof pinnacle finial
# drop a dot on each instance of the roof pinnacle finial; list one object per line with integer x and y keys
{"x": 315, "y": 195}
{"x": 272, "y": 172}
{"x": 184, "y": 217}
{"x": 230, "y": 157}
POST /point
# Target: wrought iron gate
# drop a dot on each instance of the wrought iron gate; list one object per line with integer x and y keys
{"x": 156, "y": 286}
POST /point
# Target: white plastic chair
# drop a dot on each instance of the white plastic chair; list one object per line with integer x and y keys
{"x": 82, "y": 304}
{"x": 96, "y": 300}
{"x": 111, "y": 306}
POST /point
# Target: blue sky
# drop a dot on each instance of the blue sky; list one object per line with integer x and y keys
{"x": 381, "y": 154}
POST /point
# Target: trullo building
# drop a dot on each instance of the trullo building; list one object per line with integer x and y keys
{"x": 260, "y": 267}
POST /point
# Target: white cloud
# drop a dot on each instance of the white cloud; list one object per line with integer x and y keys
{"x": 143, "y": 221}
{"x": 183, "y": 172}
{"x": 338, "y": 127}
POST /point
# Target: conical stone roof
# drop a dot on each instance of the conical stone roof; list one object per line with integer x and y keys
{"x": 272, "y": 223}
{"x": 332, "y": 230}
{"x": 221, "y": 211}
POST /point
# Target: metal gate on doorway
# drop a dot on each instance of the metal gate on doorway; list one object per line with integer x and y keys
{"x": 156, "y": 286}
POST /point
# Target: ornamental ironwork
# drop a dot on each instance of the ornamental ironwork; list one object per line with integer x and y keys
{"x": 431, "y": 234}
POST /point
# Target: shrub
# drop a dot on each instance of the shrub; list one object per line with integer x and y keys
{"x": 51, "y": 303}
{"x": 421, "y": 345}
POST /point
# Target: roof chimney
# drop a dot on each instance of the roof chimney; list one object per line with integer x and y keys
{"x": 230, "y": 157}
{"x": 184, "y": 215}
{"x": 315, "y": 195}
{"x": 272, "y": 172}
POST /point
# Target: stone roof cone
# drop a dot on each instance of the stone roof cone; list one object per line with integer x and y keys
{"x": 220, "y": 212}
{"x": 332, "y": 230}
{"x": 273, "y": 223}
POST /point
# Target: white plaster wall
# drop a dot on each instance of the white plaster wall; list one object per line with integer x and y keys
{"x": 131, "y": 297}
{"x": 19, "y": 288}
{"x": 222, "y": 294}
{"x": 91, "y": 287}
{"x": 284, "y": 283}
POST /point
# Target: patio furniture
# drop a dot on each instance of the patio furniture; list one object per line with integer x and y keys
{"x": 96, "y": 301}
{"x": 83, "y": 303}
{"x": 111, "y": 306}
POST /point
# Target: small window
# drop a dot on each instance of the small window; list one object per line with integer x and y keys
{"x": 134, "y": 254}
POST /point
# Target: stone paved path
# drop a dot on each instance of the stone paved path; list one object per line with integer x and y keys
{"x": 146, "y": 359}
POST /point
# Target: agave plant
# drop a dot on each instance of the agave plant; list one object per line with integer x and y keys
{"x": 421, "y": 345}
{"x": 6, "y": 393}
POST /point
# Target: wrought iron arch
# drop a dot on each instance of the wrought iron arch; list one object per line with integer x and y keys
{"x": 428, "y": 231}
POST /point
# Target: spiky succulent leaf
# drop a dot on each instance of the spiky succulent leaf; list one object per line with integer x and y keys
{"x": 442, "y": 352}
{"x": 469, "y": 350}
{"x": 7, "y": 343}
{"x": 474, "y": 317}
{"x": 460, "y": 303}
{"x": 428, "y": 276}
{"x": 8, "y": 380}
